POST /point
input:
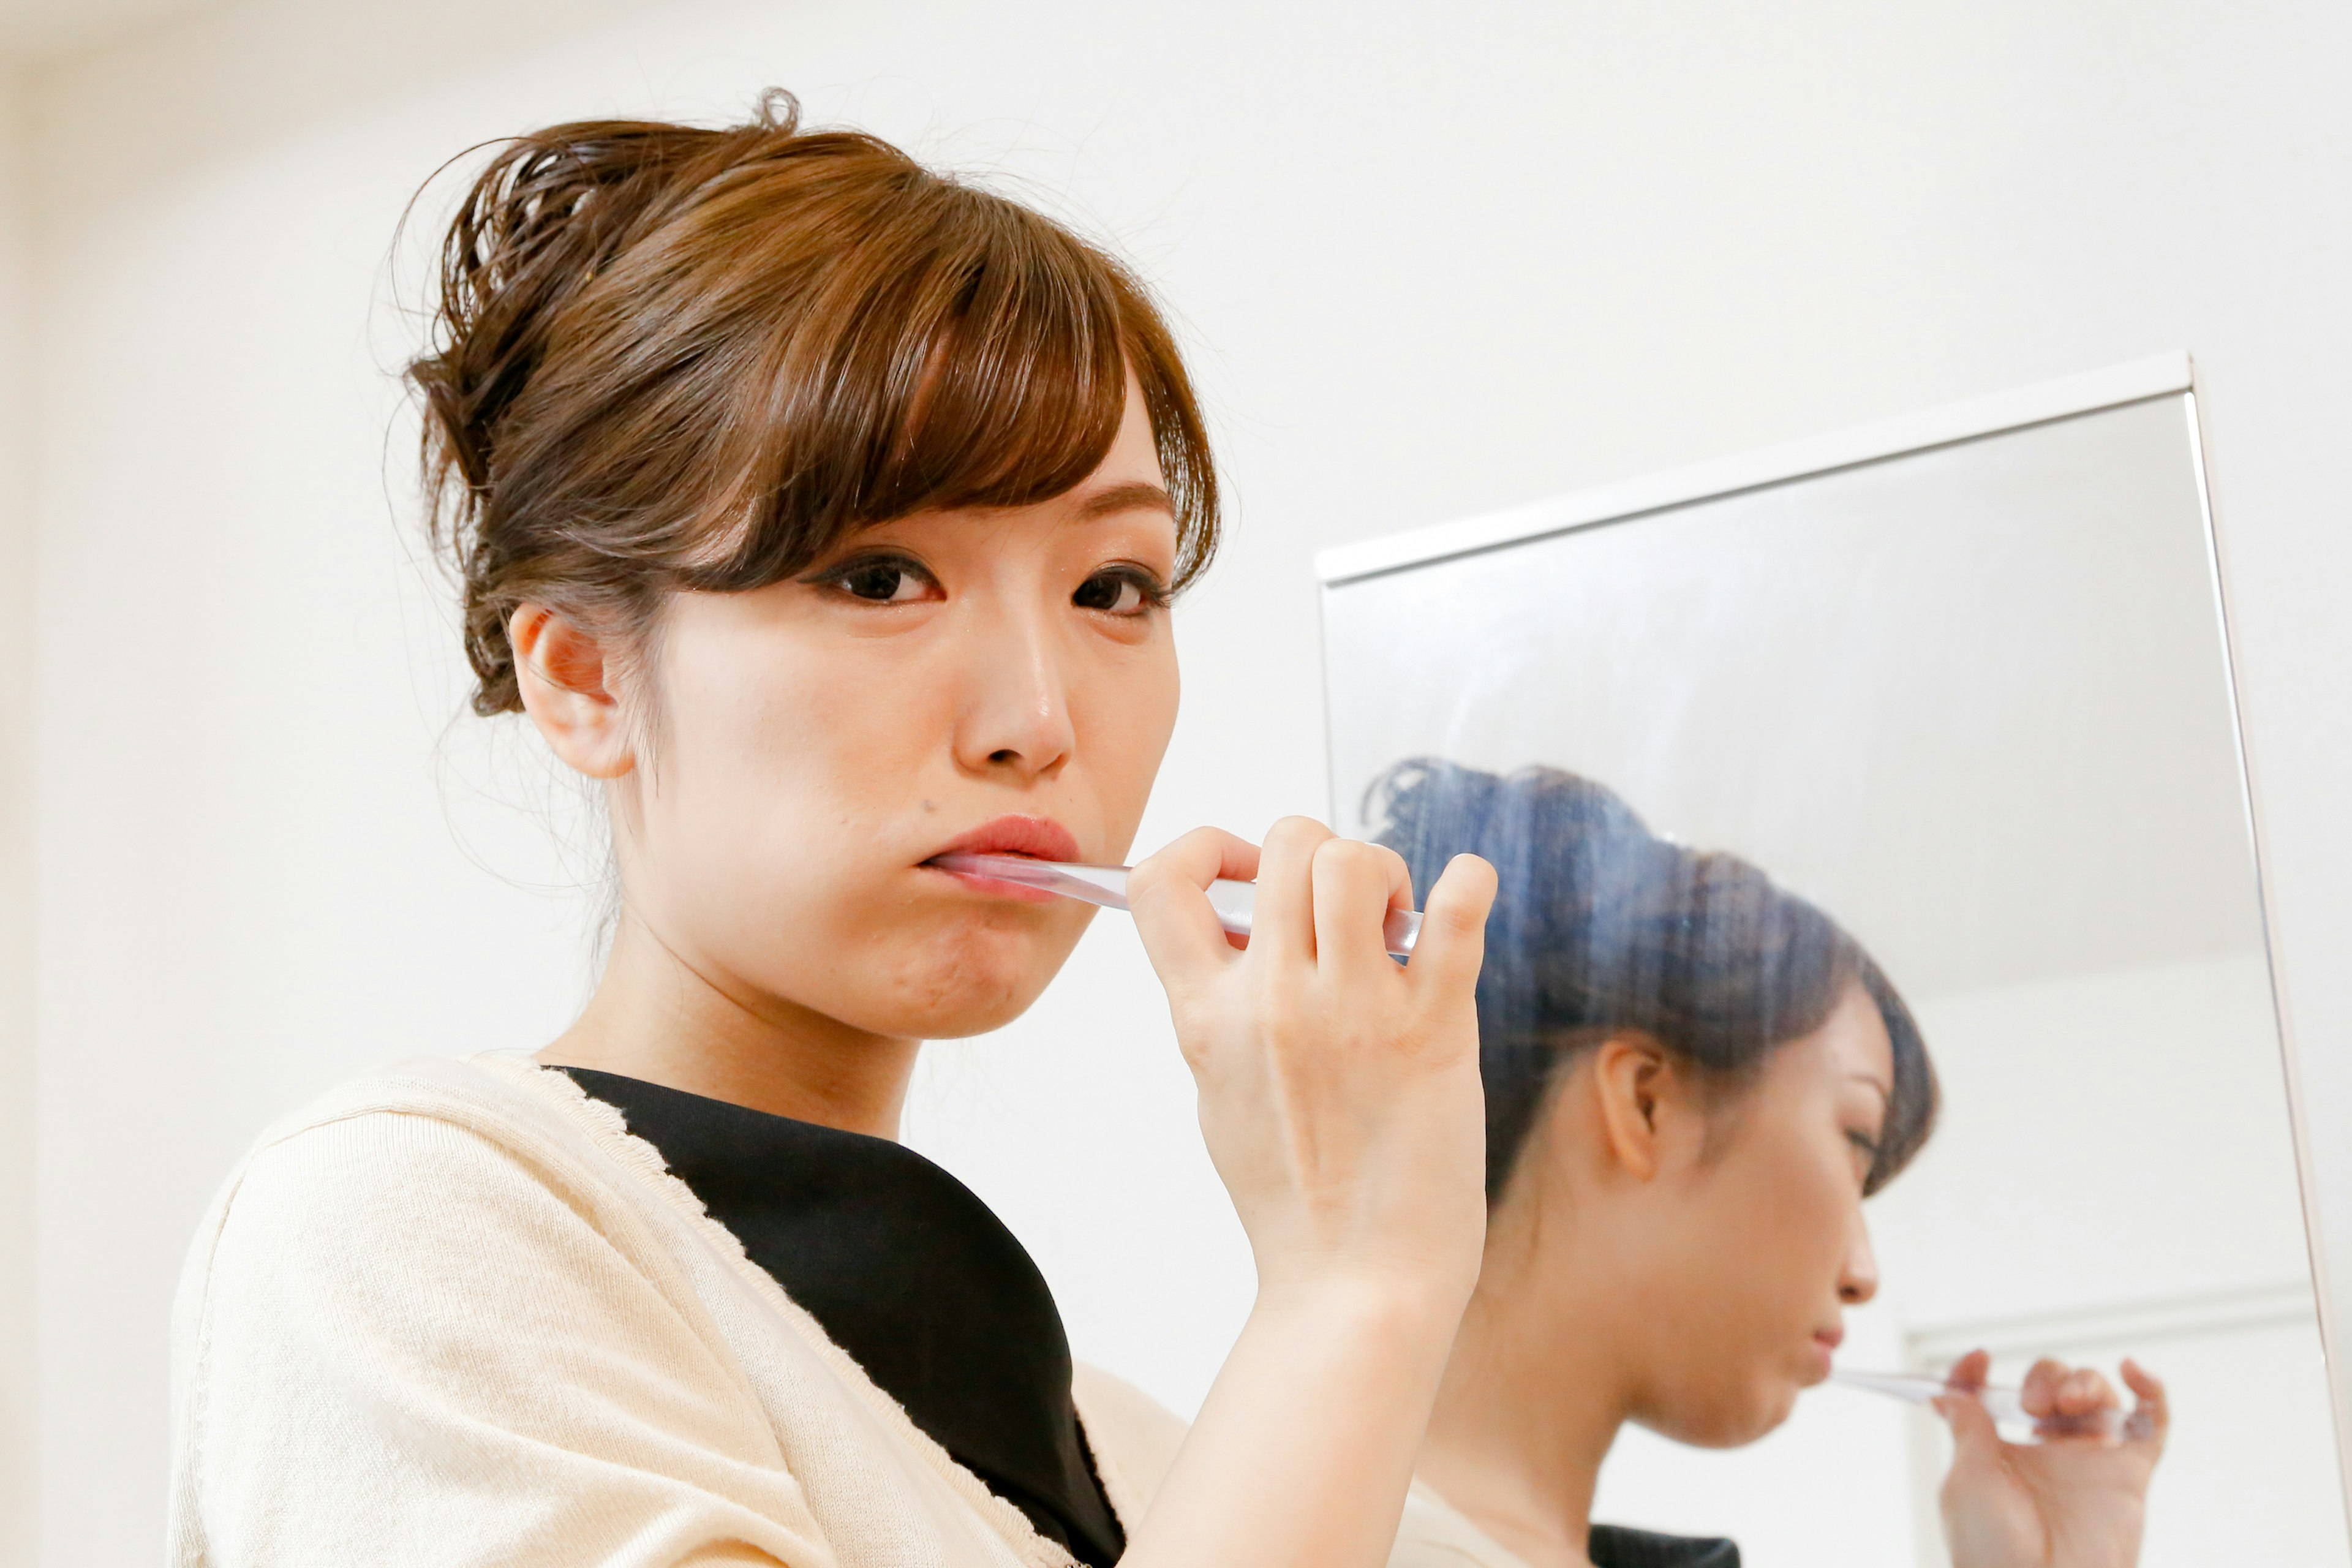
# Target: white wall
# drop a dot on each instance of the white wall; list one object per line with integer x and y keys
{"x": 1434, "y": 260}
{"x": 17, "y": 920}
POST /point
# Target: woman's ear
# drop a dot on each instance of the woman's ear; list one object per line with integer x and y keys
{"x": 1631, "y": 1077}
{"x": 562, "y": 672}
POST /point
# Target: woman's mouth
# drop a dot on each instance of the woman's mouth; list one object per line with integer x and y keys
{"x": 1038, "y": 837}
{"x": 1826, "y": 1344}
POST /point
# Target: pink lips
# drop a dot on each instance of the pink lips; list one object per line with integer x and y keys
{"x": 1826, "y": 1344}
{"x": 1039, "y": 837}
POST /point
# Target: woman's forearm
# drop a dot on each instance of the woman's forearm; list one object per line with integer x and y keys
{"x": 1340, "y": 1102}
{"x": 1304, "y": 1449}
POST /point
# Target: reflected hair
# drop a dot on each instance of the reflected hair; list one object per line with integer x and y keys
{"x": 666, "y": 357}
{"x": 1601, "y": 928}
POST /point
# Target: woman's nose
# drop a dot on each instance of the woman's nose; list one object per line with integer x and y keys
{"x": 1016, "y": 710}
{"x": 1858, "y": 1278}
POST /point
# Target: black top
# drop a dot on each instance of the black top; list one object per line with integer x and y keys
{"x": 1613, "y": 1546}
{"x": 908, "y": 1272}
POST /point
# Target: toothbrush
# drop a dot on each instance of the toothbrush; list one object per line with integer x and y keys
{"x": 2005, "y": 1406}
{"x": 1106, "y": 886}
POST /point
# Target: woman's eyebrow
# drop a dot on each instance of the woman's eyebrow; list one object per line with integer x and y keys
{"x": 1132, "y": 496}
{"x": 1884, "y": 1093}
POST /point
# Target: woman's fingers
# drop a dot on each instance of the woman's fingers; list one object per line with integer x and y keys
{"x": 1973, "y": 1432}
{"x": 2085, "y": 1391}
{"x": 2071, "y": 1401}
{"x": 1977, "y": 1441}
{"x": 2039, "y": 1393}
{"x": 2054, "y": 1390}
{"x": 1282, "y": 911}
{"x": 1320, "y": 899}
{"x": 2151, "y": 1415}
{"x": 1169, "y": 896}
{"x": 1355, "y": 885}
{"x": 1453, "y": 940}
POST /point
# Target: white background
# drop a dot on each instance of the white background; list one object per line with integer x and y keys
{"x": 1431, "y": 262}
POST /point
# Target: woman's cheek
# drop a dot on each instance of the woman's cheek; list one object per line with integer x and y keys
{"x": 1125, "y": 720}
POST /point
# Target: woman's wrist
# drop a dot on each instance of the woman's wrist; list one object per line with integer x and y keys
{"x": 1401, "y": 1323}
{"x": 1306, "y": 1445}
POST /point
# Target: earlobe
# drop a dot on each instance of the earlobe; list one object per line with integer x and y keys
{"x": 1627, "y": 1072}
{"x": 560, "y": 671}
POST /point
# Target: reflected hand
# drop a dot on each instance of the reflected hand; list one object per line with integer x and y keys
{"x": 2065, "y": 1501}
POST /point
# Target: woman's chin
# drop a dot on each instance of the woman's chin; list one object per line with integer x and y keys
{"x": 959, "y": 1017}
{"x": 944, "y": 985}
{"x": 975, "y": 986}
{"x": 1735, "y": 1420}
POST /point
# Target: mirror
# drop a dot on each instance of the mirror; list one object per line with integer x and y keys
{"x": 1961, "y": 682}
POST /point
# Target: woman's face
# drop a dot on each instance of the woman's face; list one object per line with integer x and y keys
{"x": 991, "y": 679}
{"x": 1764, "y": 1243}
{"x": 1710, "y": 1244}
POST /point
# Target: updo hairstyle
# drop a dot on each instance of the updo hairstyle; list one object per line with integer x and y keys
{"x": 668, "y": 358}
{"x": 1601, "y": 927}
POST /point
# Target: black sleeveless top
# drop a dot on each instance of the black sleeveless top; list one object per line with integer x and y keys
{"x": 911, "y": 1275}
{"x": 1614, "y": 1546}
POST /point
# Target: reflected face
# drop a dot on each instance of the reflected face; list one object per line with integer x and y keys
{"x": 1761, "y": 1239}
{"x": 1000, "y": 678}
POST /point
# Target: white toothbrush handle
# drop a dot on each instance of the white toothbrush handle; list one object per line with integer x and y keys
{"x": 2005, "y": 1406}
{"x": 1234, "y": 902}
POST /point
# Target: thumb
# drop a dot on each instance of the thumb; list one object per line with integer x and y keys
{"x": 1974, "y": 1437}
{"x": 1975, "y": 1441}
{"x": 1453, "y": 940}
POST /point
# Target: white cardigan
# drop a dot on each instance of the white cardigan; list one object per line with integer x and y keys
{"x": 454, "y": 1313}
{"x": 1432, "y": 1534}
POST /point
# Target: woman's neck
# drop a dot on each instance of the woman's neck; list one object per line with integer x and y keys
{"x": 654, "y": 1017}
{"x": 1524, "y": 1416}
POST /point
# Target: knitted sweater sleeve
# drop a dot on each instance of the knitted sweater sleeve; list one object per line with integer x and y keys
{"x": 398, "y": 1342}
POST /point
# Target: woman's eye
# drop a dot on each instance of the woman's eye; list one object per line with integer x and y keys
{"x": 1118, "y": 594}
{"x": 883, "y": 581}
{"x": 1865, "y": 1144}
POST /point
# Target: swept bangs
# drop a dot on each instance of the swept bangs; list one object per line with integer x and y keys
{"x": 673, "y": 358}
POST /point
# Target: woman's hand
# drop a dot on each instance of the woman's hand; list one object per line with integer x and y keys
{"x": 1340, "y": 1101}
{"x": 2065, "y": 1501}
{"x": 1339, "y": 1091}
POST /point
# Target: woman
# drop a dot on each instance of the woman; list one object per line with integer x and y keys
{"x": 827, "y": 511}
{"x": 1693, "y": 1079}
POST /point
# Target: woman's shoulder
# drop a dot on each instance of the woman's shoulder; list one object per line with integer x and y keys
{"x": 497, "y": 1118}
{"x": 378, "y": 1129}
{"x": 473, "y": 1171}
{"x": 358, "y": 1152}
{"x": 422, "y": 1277}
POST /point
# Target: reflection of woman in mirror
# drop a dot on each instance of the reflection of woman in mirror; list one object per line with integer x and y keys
{"x": 1693, "y": 1079}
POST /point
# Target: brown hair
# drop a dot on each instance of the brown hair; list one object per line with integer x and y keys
{"x": 1600, "y": 927}
{"x": 666, "y": 357}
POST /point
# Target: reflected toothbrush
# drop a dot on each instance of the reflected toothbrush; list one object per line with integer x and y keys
{"x": 2005, "y": 1406}
{"x": 1106, "y": 886}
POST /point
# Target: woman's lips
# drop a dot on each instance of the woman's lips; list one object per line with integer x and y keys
{"x": 1039, "y": 837}
{"x": 1826, "y": 1344}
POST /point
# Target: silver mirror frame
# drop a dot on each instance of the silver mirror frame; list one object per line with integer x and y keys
{"x": 2162, "y": 375}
